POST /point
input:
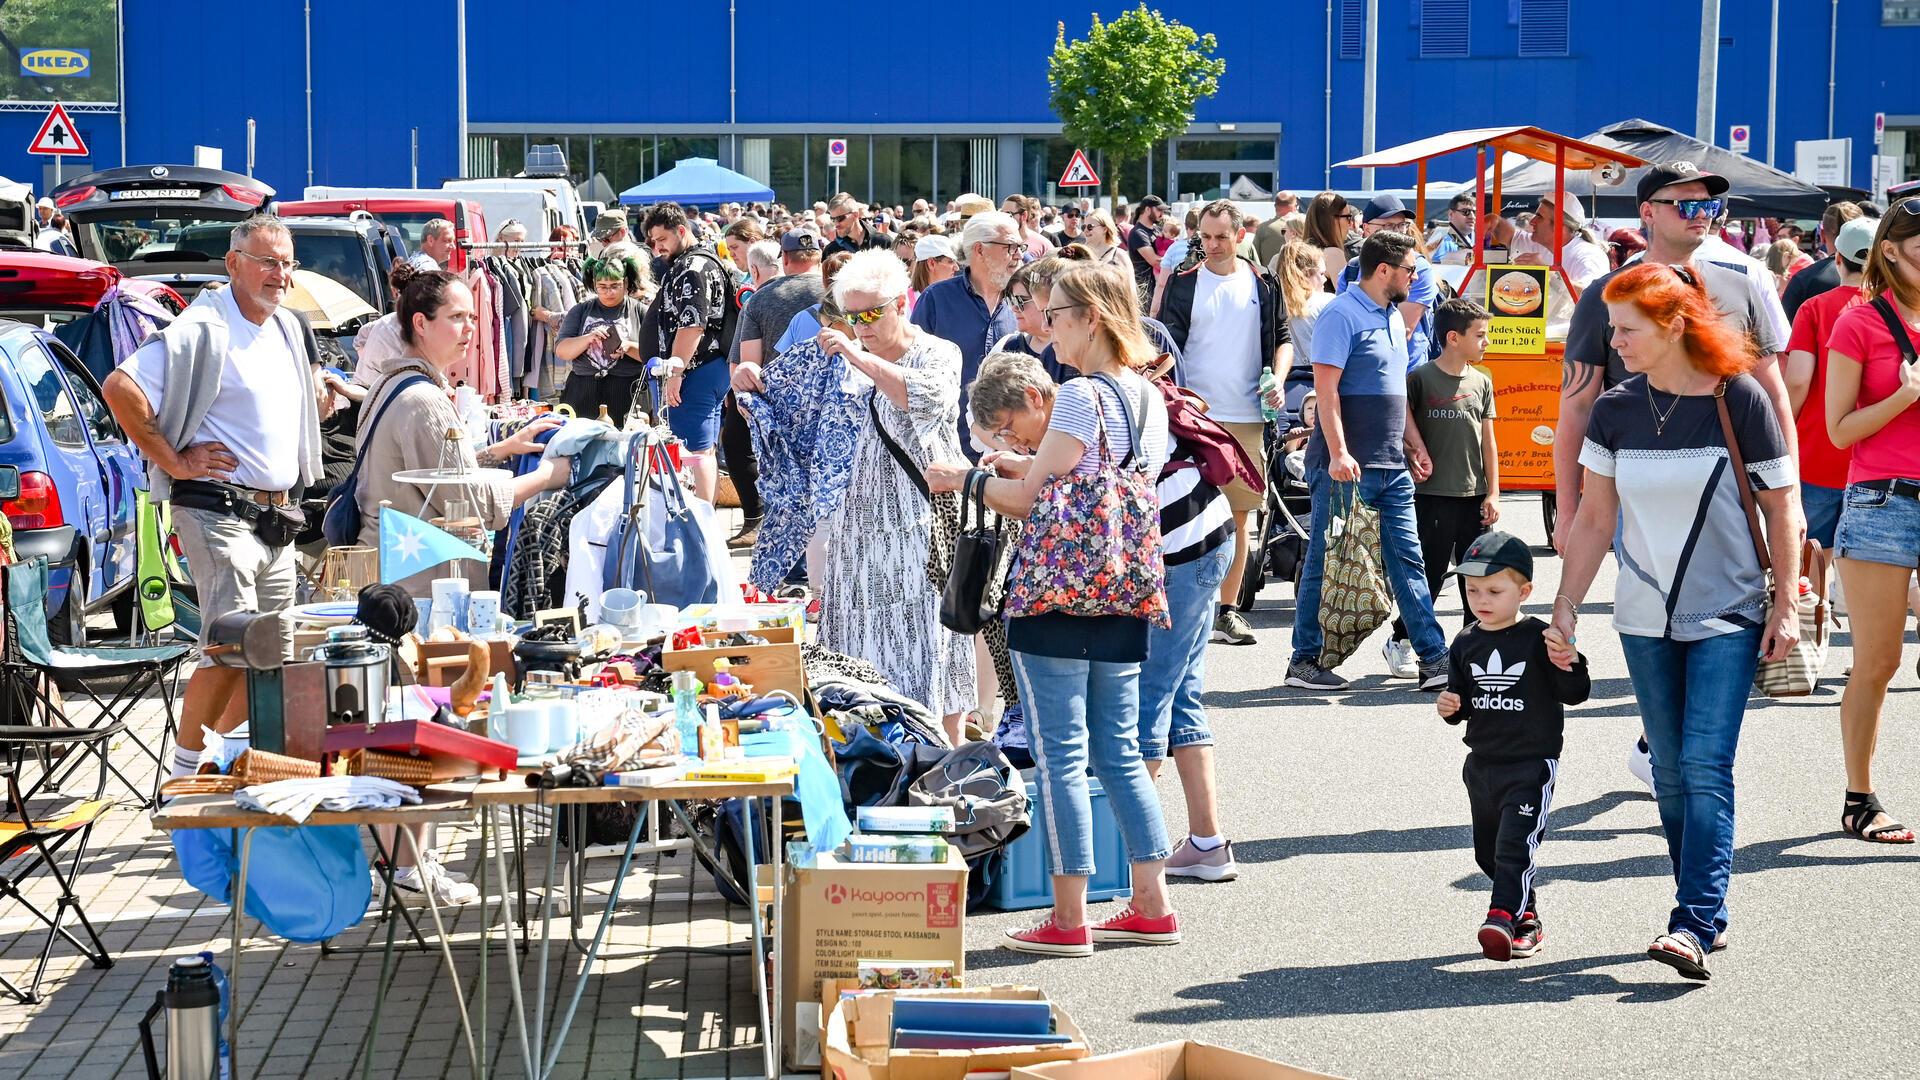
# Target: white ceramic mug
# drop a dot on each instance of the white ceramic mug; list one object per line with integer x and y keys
{"x": 483, "y": 612}
{"x": 563, "y": 723}
{"x": 527, "y": 727}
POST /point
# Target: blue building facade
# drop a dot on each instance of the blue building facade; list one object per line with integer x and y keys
{"x": 936, "y": 103}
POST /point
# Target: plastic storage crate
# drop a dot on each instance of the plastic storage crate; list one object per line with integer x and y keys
{"x": 1025, "y": 881}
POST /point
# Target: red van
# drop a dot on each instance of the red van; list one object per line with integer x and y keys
{"x": 409, "y": 215}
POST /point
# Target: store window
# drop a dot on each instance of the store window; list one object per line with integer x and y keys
{"x": 1260, "y": 150}
{"x": 902, "y": 170}
{"x": 624, "y": 160}
{"x": 786, "y": 168}
{"x": 1900, "y": 12}
{"x": 496, "y": 155}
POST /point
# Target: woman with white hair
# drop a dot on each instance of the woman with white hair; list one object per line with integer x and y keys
{"x": 876, "y": 600}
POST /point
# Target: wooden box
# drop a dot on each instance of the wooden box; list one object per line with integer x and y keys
{"x": 773, "y": 666}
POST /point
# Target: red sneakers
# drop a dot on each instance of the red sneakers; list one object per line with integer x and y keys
{"x": 1134, "y": 927}
{"x": 1050, "y": 939}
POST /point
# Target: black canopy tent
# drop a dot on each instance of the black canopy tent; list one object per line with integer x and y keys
{"x": 1758, "y": 190}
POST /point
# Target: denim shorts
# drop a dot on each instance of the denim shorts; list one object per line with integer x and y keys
{"x": 696, "y": 420}
{"x": 1879, "y": 526}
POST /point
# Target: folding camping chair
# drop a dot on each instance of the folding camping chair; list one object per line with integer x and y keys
{"x": 31, "y": 667}
{"x": 35, "y": 830}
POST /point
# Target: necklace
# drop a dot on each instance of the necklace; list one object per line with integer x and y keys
{"x": 1659, "y": 420}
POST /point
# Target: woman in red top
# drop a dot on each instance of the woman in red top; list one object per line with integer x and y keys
{"x": 1823, "y": 466}
{"x": 1873, "y": 406}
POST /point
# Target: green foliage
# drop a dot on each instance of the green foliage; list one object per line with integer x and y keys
{"x": 1131, "y": 82}
{"x": 60, "y": 24}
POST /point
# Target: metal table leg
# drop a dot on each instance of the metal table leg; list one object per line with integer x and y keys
{"x": 593, "y": 951}
{"x": 513, "y": 959}
{"x": 752, "y": 892}
{"x": 433, "y": 906}
{"x": 243, "y": 841}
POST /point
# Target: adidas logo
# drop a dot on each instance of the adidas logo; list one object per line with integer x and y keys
{"x": 1526, "y": 810}
{"x": 1494, "y": 677}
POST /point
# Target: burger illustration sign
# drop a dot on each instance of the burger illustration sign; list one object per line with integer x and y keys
{"x": 1517, "y": 298}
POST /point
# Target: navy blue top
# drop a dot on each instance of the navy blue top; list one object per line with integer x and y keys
{"x": 951, "y": 309}
{"x": 1368, "y": 343}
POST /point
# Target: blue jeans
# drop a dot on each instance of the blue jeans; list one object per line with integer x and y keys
{"x": 1822, "y": 507}
{"x": 1693, "y": 697}
{"x": 1389, "y": 491}
{"x": 1081, "y": 714}
{"x": 1175, "y": 674}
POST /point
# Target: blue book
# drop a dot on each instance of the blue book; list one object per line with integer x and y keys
{"x": 985, "y": 1015}
{"x": 908, "y": 1039}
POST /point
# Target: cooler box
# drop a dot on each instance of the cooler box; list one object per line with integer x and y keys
{"x": 1025, "y": 880}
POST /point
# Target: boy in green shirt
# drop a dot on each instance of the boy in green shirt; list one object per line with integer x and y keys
{"x": 1451, "y": 452}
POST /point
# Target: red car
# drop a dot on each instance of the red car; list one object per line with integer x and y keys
{"x": 58, "y": 293}
{"x": 410, "y": 216}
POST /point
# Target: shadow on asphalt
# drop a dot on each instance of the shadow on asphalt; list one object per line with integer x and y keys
{"x": 1748, "y": 859}
{"x": 1385, "y": 986}
{"x": 1439, "y": 837}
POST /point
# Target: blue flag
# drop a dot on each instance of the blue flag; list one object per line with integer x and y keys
{"x": 409, "y": 545}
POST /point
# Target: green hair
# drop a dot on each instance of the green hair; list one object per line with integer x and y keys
{"x": 615, "y": 268}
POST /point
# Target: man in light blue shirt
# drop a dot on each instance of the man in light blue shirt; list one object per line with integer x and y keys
{"x": 1363, "y": 443}
{"x": 1387, "y": 213}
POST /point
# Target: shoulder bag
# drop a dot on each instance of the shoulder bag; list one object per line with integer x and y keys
{"x": 657, "y": 545}
{"x": 976, "y": 588}
{"x": 1798, "y": 673}
{"x": 1092, "y": 543}
{"x": 341, "y": 523}
{"x": 1354, "y": 598}
{"x": 946, "y": 508}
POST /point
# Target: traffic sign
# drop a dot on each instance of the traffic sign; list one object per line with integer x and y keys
{"x": 1879, "y": 128}
{"x": 836, "y": 152}
{"x": 58, "y": 136}
{"x": 1079, "y": 173}
{"x": 1739, "y": 138}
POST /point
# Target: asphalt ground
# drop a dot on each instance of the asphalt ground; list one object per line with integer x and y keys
{"x": 1347, "y": 943}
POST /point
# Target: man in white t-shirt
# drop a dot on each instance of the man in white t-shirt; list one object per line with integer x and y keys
{"x": 221, "y": 404}
{"x": 1225, "y": 315}
{"x": 1580, "y": 255}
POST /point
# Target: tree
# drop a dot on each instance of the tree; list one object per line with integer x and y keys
{"x": 1130, "y": 83}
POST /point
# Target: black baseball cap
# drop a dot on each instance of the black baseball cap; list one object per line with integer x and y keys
{"x": 1070, "y": 210}
{"x": 798, "y": 240}
{"x": 1496, "y": 551}
{"x": 1680, "y": 172}
{"x": 1153, "y": 201}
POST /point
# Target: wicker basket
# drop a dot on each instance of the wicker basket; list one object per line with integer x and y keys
{"x": 261, "y": 767}
{"x": 403, "y": 768}
{"x": 725, "y": 495}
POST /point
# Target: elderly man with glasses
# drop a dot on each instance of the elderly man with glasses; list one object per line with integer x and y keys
{"x": 221, "y": 405}
{"x": 971, "y": 309}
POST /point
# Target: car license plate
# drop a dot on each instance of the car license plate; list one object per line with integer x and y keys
{"x": 156, "y": 193}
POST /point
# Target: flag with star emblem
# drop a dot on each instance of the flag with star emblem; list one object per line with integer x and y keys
{"x": 409, "y": 545}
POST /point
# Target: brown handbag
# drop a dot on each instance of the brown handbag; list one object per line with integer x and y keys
{"x": 1796, "y": 674}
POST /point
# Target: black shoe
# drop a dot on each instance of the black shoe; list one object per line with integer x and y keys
{"x": 1433, "y": 674}
{"x": 1496, "y": 936}
{"x": 1528, "y": 936}
{"x": 748, "y": 534}
{"x": 1308, "y": 675}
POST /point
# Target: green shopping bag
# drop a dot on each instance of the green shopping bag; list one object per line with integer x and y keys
{"x": 1354, "y": 598}
{"x": 150, "y": 563}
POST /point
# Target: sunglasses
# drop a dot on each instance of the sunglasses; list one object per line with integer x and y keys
{"x": 1047, "y": 313}
{"x": 1018, "y": 301}
{"x": 871, "y": 315}
{"x": 1693, "y": 208}
{"x": 840, "y": 218}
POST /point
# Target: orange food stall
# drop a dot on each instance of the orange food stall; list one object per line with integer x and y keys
{"x": 1524, "y": 359}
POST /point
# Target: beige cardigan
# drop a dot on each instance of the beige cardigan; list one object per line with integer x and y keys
{"x": 411, "y": 436}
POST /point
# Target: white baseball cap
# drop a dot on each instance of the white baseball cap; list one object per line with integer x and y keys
{"x": 932, "y": 247}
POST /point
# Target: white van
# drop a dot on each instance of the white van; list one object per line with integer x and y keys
{"x": 561, "y": 191}
{"x": 535, "y": 208}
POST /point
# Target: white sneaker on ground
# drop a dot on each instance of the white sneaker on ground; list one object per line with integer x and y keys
{"x": 1640, "y": 763}
{"x": 410, "y": 887}
{"x": 1402, "y": 661}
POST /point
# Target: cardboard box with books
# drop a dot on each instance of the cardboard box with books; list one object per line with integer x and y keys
{"x": 1169, "y": 1061}
{"x": 946, "y": 1034}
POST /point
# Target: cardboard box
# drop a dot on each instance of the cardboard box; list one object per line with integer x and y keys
{"x": 857, "y": 1045}
{"x": 773, "y": 666}
{"x": 836, "y": 914}
{"x": 1169, "y": 1061}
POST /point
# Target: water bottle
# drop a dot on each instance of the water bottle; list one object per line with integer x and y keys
{"x": 686, "y": 712}
{"x": 194, "y": 1001}
{"x": 1267, "y": 383}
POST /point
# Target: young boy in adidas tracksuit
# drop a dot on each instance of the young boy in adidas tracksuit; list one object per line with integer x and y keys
{"x": 1512, "y": 697}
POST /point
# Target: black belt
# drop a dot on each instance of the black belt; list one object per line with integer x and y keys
{"x": 1906, "y": 488}
{"x": 229, "y": 499}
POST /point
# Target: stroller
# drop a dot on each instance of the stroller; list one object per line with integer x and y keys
{"x": 1279, "y": 526}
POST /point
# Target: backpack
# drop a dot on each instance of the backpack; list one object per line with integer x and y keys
{"x": 1216, "y": 453}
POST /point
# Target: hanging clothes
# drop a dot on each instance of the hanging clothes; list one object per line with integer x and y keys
{"x": 120, "y": 322}
{"x": 805, "y": 428}
{"x": 536, "y": 575}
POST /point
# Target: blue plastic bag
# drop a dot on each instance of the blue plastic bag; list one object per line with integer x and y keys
{"x": 303, "y": 884}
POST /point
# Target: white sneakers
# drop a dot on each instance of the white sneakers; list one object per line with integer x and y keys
{"x": 1402, "y": 661}
{"x": 411, "y": 884}
{"x": 1640, "y": 763}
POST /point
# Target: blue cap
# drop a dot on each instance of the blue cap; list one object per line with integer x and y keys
{"x": 1384, "y": 205}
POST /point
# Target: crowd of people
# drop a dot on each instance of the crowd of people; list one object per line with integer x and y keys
{"x": 1112, "y": 385}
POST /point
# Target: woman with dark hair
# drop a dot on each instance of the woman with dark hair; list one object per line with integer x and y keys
{"x": 1328, "y": 223}
{"x": 405, "y": 421}
{"x": 601, "y": 339}
{"x": 1873, "y": 409}
{"x": 1691, "y": 600}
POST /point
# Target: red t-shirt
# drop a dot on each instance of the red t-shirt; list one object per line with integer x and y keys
{"x": 1821, "y": 462}
{"x": 1893, "y": 451}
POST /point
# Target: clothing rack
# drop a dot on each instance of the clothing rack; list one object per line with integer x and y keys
{"x": 516, "y": 245}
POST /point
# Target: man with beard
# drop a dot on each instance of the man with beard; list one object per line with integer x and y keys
{"x": 1362, "y": 438}
{"x": 971, "y": 309}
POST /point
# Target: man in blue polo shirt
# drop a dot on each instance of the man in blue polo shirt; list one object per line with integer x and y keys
{"x": 1363, "y": 440}
{"x": 1386, "y": 213}
{"x": 971, "y": 308}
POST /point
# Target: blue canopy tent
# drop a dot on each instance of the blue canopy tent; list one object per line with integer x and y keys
{"x": 698, "y": 182}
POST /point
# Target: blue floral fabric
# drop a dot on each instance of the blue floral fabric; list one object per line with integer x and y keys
{"x": 805, "y": 429}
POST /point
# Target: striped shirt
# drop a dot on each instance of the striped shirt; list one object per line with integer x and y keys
{"x": 1194, "y": 515}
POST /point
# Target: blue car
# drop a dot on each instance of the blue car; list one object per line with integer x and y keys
{"x": 78, "y": 478}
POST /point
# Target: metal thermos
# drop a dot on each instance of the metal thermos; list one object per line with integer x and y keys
{"x": 192, "y": 1004}
{"x": 357, "y": 676}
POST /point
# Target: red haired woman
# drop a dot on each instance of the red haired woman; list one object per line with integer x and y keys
{"x": 1690, "y": 604}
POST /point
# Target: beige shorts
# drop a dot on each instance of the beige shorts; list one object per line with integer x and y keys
{"x": 232, "y": 570}
{"x": 1240, "y": 497}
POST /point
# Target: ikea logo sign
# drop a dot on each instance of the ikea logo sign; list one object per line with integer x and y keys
{"x": 67, "y": 63}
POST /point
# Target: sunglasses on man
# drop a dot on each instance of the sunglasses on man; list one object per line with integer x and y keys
{"x": 1693, "y": 208}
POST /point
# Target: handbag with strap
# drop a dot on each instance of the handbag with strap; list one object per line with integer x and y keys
{"x": 1354, "y": 598}
{"x": 341, "y": 523}
{"x": 1092, "y": 543}
{"x": 946, "y": 508}
{"x": 657, "y": 545}
{"x": 976, "y": 587}
{"x": 1796, "y": 674}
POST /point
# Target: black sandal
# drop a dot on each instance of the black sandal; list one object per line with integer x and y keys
{"x": 1681, "y": 951}
{"x": 1862, "y": 807}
